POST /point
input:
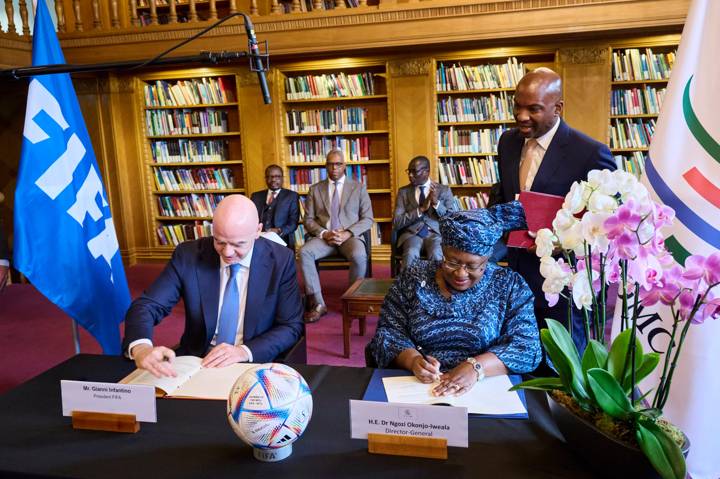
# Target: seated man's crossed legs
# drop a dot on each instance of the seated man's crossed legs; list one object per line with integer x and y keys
{"x": 352, "y": 249}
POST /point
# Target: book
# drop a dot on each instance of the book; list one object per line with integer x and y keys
{"x": 192, "y": 381}
{"x": 540, "y": 210}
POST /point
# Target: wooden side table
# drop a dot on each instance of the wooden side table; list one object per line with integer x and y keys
{"x": 364, "y": 297}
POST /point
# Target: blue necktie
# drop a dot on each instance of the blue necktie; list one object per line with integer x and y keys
{"x": 423, "y": 232}
{"x": 335, "y": 208}
{"x": 230, "y": 309}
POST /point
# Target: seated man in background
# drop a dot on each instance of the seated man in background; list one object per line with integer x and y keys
{"x": 418, "y": 207}
{"x": 337, "y": 213}
{"x": 277, "y": 207}
{"x": 462, "y": 318}
{"x": 241, "y": 295}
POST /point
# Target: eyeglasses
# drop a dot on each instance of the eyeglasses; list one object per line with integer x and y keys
{"x": 470, "y": 268}
{"x": 416, "y": 172}
{"x": 335, "y": 165}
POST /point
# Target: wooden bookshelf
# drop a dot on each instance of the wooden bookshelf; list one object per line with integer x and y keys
{"x": 639, "y": 76}
{"x": 474, "y": 105}
{"x": 192, "y": 151}
{"x": 339, "y": 105}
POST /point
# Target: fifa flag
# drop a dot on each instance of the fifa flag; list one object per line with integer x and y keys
{"x": 65, "y": 241}
{"x": 683, "y": 172}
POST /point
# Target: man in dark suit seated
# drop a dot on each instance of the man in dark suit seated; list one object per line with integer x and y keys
{"x": 241, "y": 295}
{"x": 277, "y": 207}
{"x": 545, "y": 155}
{"x": 4, "y": 259}
{"x": 418, "y": 207}
{"x": 337, "y": 212}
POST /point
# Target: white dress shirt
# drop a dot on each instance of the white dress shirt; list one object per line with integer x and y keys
{"x": 543, "y": 144}
{"x": 242, "y": 281}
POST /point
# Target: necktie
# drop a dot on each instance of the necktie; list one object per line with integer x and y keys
{"x": 530, "y": 153}
{"x": 423, "y": 232}
{"x": 271, "y": 197}
{"x": 230, "y": 309}
{"x": 335, "y": 208}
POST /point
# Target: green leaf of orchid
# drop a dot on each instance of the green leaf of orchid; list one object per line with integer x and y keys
{"x": 663, "y": 453}
{"x": 541, "y": 384}
{"x": 609, "y": 394}
{"x": 563, "y": 368}
{"x": 618, "y": 353}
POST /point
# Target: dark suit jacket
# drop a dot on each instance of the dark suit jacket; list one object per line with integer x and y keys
{"x": 569, "y": 157}
{"x": 273, "y": 311}
{"x": 406, "y": 220}
{"x": 282, "y": 213}
{"x": 4, "y": 252}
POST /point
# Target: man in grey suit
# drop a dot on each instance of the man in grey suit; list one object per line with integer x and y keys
{"x": 418, "y": 207}
{"x": 337, "y": 213}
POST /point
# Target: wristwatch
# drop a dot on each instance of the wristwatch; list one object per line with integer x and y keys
{"x": 477, "y": 367}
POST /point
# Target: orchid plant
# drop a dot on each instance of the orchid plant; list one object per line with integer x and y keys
{"x": 609, "y": 231}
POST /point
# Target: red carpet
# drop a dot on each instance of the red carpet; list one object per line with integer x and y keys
{"x": 36, "y": 335}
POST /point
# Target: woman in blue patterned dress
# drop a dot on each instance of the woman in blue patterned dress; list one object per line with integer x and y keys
{"x": 461, "y": 319}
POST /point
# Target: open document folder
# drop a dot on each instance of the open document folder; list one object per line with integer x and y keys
{"x": 490, "y": 397}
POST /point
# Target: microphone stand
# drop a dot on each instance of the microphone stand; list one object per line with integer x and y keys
{"x": 256, "y": 58}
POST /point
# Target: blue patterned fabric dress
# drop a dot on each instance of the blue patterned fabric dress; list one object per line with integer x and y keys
{"x": 495, "y": 315}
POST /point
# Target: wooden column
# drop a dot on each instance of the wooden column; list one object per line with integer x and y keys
{"x": 213, "y": 10}
{"x": 173, "y": 12}
{"x": 78, "y": 15}
{"x": 60, "y": 13}
{"x": 233, "y": 6}
{"x": 253, "y": 7}
{"x": 114, "y": 14}
{"x": 96, "y": 14}
{"x": 193, "y": 12}
{"x": 10, "y": 12}
{"x": 134, "y": 19}
{"x": 585, "y": 71}
{"x": 24, "y": 17}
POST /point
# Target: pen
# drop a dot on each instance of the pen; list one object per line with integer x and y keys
{"x": 422, "y": 352}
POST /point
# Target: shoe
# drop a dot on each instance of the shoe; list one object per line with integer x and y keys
{"x": 315, "y": 313}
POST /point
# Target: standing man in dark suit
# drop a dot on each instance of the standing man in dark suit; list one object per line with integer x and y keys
{"x": 277, "y": 207}
{"x": 418, "y": 207}
{"x": 337, "y": 212}
{"x": 545, "y": 155}
{"x": 4, "y": 259}
{"x": 241, "y": 295}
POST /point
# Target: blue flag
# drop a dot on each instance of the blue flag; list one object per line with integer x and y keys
{"x": 65, "y": 241}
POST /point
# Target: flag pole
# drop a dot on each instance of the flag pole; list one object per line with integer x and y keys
{"x": 76, "y": 336}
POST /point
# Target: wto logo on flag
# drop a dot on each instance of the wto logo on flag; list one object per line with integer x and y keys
{"x": 59, "y": 175}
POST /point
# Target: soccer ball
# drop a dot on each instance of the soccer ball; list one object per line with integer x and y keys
{"x": 269, "y": 407}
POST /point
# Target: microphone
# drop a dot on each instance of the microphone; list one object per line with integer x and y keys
{"x": 255, "y": 60}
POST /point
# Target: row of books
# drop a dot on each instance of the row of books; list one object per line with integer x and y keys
{"x": 637, "y": 101}
{"x": 480, "y": 200}
{"x": 173, "y": 235}
{"x": 189, "y": 151}
{"x": 479, "y": 77}
{"x": 329, "y": 85}
{"x": 327, "y": 121}
{"x": 301, "y": 179}
{"x": 634, "y": 64}
{"x": 179, "y": 179}
{"x": 199, "y": 91}
{"x": 468, "y": 171}
{"x": 183, "y": 122}
{"x": 482, "y": 108}
{"x": 355, "y": 149}
{"x": 480, "y": 141}
{"x": 633, "y": 163}
{"x": 189, "y": 205}
{"x": 628, "y": 133}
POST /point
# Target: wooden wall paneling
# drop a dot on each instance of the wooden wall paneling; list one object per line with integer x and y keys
{"x": 412, "y": 108}
{"x": 585, "y": 71}
{"x": 257, "y": 125}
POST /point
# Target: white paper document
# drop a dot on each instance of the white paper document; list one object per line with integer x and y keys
{"x": 489, "y": 396}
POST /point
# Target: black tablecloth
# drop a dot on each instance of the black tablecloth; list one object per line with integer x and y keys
{"x": 192, "y": 438}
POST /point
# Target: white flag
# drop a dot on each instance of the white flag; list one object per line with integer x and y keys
{"x": 683, "y": 172}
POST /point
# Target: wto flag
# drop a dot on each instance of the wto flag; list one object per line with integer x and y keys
{"x": 65, "y": 241}
{"x": 683, "y": 172}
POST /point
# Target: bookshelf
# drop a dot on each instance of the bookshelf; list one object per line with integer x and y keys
{"x": 474, "y": 106}
{"x": 192, "y": 151}
{"x": 346, "y": 107}
{"x": 638, "y": 84}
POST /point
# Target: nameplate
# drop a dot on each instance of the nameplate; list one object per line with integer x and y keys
{"x": 411, "y": 420}
{"x": 135, "y": 399}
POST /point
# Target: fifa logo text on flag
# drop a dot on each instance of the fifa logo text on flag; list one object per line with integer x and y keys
{"x": 60, "y": 174}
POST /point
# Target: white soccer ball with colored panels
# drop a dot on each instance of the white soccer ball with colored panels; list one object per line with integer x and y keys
{"x": 269, "y": 408}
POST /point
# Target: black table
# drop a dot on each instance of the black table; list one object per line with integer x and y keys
{"x": 192, "y": 438}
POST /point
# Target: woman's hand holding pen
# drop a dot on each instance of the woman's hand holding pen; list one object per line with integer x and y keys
{"x": 426, "y": 368}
